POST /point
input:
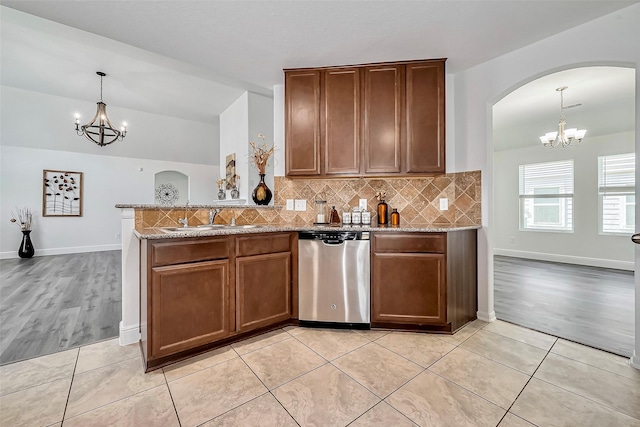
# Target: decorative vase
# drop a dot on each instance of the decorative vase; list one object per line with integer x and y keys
{"x": 261, "y": 195}
{"x": 382, "y": 212}
{"x": 26, "y": 247}
{"x": 222, "y": 195}
{"x": 235, "y": 193}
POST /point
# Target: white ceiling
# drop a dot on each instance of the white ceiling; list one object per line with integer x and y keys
{"x": 607, "y": 95}
{"x": 193, "y": 58}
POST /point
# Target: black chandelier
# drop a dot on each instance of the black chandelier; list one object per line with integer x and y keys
{"x": 99, "y": 129}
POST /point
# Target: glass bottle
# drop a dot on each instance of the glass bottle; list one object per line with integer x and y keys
{"x": 382, "y": 212}
{"x": 395, "y": 217}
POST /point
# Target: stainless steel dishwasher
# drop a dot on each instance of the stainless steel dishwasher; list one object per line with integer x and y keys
{"x": 334, "y": 278}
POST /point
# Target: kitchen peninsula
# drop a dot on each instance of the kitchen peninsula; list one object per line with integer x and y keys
{"x": 201, "y": 288}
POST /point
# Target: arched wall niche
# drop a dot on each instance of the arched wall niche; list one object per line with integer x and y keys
{"x": 171, "y": 188}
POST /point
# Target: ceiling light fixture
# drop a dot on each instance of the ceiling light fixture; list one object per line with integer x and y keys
{"x": 99, "y": 129}
{"x": 563, "y": 137}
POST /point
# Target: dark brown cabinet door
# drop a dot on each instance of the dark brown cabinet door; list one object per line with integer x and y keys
{"x": 409, "y": 288}
{"x": 341, "y": 121}
{"x": 263, "y": 290}
{"x": 188, "y": 306}
{"x": 382, "y": 127}
{"x": 302, "y": 122}
{"x": 425, "y": 122}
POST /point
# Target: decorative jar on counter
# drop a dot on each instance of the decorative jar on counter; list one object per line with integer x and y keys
{"x": 395, "y": 217}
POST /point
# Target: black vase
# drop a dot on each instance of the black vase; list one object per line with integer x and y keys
{"x": 261, "y": 195}
{"x": 26, "y": 247}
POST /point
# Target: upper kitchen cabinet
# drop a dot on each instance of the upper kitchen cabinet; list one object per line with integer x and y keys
{"x": 302, "y": 132}
{"x": 383, "y": 100}
{"x": 425, "y": 140}
{"x": 374, "y": 120}
{"x": 340, "y": 136}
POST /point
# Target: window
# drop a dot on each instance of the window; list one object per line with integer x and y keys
{"x": 546, "y": 196}
{"x": 616, "y": 193}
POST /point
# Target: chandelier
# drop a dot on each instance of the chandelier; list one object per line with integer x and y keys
{"x": 99, "y": 129}
{"x": 563, "y": 137}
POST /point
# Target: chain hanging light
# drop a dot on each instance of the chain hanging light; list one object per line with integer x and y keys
{"x": 563, "y": 137}
{"x": 99, "y": 129}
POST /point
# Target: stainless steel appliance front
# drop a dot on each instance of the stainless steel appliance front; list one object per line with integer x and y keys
{"x": 334, "y": 277}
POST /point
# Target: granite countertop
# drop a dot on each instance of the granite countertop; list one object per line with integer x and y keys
{"x": 160, "y": 233}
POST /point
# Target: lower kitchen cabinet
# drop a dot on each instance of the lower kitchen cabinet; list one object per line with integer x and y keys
{"x": 201, "y": 292}
{"x": 409, "y": 288}
{"x": 263, "y": 290}
{"x": 188, "y": 305}
{"x": 424, "y": 280}
{"x": 185, "y": 294}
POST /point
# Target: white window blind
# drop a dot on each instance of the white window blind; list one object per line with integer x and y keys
{"x": 616, "y": 191}
{"x": 546, "y": 196}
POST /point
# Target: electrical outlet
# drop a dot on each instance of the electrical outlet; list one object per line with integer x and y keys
{"x": 118, "y": 236}
{"x": 289, "y": 204}
{"x": 363, "y": 204}
{"x": 444, "y": 204}
{"x": 300, "y": 205}
{"x": 512, "y": 239}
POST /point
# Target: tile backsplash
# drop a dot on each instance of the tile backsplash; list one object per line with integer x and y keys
{"x": 417, "y": 200}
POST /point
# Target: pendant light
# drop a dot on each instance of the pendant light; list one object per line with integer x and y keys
{"x": 99, "y": 129}
{"x": 563, "y": 137}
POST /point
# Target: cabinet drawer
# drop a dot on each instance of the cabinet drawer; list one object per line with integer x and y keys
{"x": 263, "y": 244}
{"x": 410, "y": 242}
{"x": 191, "y": 250}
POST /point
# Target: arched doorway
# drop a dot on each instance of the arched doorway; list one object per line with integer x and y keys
{"x": 568, "y": 233}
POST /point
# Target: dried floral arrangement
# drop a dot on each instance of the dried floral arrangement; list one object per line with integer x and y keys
{"x": 381, "y": 196}
{"x": 23, "y": 218}
{"x": 221, "y": 183}
{"x": 261, "y": 154}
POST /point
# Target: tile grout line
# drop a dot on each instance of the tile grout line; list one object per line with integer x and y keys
{"x": 268, "y": 390}
{"x": 329, "y": 361}
{"x": 73, "y": 374}
{"x": 173, "y": 402}
{"x": 527, "y": 383}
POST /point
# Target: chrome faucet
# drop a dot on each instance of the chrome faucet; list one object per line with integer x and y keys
{"x": 185, "y": 221}
{"x": 212, "y": 215}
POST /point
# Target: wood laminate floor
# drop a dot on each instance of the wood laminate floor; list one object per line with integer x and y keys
{"x": 53, "y": 303}
{"x": 589, "y": 305}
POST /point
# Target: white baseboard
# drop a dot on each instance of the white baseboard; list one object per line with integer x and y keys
{"x": 63, "y": 251}
{"x": 129, "y": 335}
{"x": 567, "y": 259}
{"x": 486, "y": 317}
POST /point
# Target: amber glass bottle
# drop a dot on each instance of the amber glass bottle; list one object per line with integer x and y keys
{"x": 395, "y": 217}
{"x": 382, "y": 213}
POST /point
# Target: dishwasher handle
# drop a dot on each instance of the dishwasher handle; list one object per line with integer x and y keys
{"x": 333, "y": 242}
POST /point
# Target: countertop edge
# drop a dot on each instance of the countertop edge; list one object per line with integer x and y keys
{"x": 158, "y": 233}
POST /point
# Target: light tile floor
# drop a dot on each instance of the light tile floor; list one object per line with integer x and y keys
{"x": 494, "y": 374}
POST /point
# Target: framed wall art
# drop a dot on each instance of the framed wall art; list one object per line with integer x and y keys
{"x": 61, "y": 193}
{"x": 230, "y": 171}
